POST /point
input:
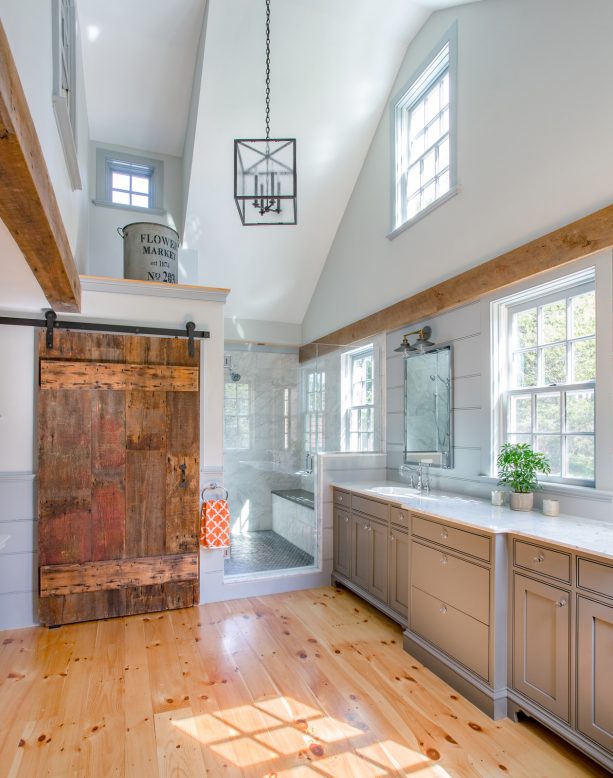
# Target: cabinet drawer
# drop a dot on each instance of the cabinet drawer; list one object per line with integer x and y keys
{"x": 462, "y": 584}
{"x": 554, "y": 564}
{"x": 379, "y": 510}
{"x": 399, "y": 517}
{"x": 455, "y": 633}
{"x": 342, "y": 498}
{"x": 452, "y": 537}
{"x": 595, "y": 576}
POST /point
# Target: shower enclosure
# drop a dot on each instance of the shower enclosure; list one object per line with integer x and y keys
{"x": 267, "y": 472}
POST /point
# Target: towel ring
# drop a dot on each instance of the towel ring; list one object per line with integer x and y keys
{"x": 213, "y": 487}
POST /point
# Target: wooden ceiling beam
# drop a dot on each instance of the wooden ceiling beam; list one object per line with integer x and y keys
{"x": 28, "y": 205}
{"x": 579, "y": 239}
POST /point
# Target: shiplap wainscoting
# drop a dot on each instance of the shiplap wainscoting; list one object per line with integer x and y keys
{"x": 18, "y": 558}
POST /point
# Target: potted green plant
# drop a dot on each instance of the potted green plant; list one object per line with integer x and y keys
{"x": 518, "y": 465}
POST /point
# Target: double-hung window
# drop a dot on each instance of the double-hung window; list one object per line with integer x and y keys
{"x": 315, "y": 405}
{"x": 548, "y": 376}
{"x": 359, "y": 415}
{"x": 237, "y": 412}
{"x": 424, "y": 136}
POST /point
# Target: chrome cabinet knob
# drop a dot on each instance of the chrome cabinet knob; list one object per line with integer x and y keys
{"x": 444, "y": 534}
{"x": 562, "y": 603}
{"x": 392, "y": 537}
{"x": 444, "y": 559}
{"x": 443, "y": 609}
{"x": 346, "y": 519}
{"x": 540, "y": 557}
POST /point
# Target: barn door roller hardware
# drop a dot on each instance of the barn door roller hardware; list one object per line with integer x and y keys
{"x": 51, "y": 323}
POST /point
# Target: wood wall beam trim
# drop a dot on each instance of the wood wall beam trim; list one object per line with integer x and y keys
{"x": 63, "y": 374}
{"x": 117, "y": 574}
{"x": 28, "y": 205}
{"x": 579, "y": 239}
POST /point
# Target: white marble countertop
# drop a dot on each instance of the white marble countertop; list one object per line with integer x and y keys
{"x": 575, "y": 532}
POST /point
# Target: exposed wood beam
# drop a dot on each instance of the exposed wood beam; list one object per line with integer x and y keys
{"x": 579, "y": 239}
{"x": 28, "y": 205}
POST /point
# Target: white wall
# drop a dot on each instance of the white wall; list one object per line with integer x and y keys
{"x": 258, "y": 331}
{"x": 27, "y": 24}
{"x": 468, "y": 330}
{"x": 534, "y": 153}
{"x": 105, "y": 245}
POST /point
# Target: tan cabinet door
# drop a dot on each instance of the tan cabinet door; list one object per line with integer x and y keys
{"x": 541, "y": 644}
{"x": 399, "y": 572}
{"x": 595, "y": 671}
{"x": 342, "y": 542}
{"x": 379, "y": 561}
{"x": 118, "y": 478}
{"x": 360, "y": 551}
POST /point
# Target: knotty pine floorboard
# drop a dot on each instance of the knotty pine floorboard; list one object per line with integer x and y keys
{"x": 305, "y": 684}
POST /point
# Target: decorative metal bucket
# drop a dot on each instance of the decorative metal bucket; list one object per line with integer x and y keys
{"x": 149, "y": 252}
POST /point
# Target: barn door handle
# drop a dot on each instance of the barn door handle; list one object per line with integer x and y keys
{"x": 183, "y": 482}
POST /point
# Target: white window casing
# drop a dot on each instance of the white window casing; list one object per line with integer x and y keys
{"x": 423, "y": 128}
{"x": 64, "y": 94}
{"x": 129, "y": 182}
{"x": 546, "y": 362}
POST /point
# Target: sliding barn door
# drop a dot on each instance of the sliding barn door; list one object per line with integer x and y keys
{"x": 118, "y": 476}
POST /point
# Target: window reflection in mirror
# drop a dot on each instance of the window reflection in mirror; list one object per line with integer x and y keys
{"x": 428, "y": 408}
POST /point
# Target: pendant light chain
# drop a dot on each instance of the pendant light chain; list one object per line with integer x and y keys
{"x": 267, "y": 69}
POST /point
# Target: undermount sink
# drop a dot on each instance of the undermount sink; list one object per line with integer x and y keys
{"x": 395, "y": 491}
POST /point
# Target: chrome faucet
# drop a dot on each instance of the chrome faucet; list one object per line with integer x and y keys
{"x": 419, "y": 476}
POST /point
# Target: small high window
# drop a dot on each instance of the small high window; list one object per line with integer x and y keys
{"x": 424, "y": 135}
{"x": 130, "y": 183}
{"x": 127, "y": 181}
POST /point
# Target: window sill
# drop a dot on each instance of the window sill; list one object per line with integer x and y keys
{"x": 134, "y": 208}
{"x": 419, "y": 216}
{"x": 563, "y": 490}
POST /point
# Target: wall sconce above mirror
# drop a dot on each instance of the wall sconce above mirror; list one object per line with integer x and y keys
{"x": 428, "y": 423}
{"x": 420, "y": 345}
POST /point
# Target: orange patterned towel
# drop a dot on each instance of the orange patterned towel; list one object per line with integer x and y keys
{"x": 215, "y": 524}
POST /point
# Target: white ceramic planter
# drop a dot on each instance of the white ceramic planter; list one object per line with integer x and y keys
{"x": 522, "y": 502}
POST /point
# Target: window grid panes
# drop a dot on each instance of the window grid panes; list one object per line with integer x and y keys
{"x": 130, "y": 184}
{"x": 360, "y": 414}
{"x": 423, "y": 143}
{"x": 237, "y": 425}
{"x": 314, "y": 427}
{"x": 550, "y": 403}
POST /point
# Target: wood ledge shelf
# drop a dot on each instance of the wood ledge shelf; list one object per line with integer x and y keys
{"x": 109, "y": 285}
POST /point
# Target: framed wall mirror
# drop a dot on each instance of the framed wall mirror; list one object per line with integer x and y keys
{"x": 428, "y": 422}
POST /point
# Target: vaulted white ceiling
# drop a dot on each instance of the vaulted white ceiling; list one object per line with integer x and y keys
{"x": 333, "y": 63}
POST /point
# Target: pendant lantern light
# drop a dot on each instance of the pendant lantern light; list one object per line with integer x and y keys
{"x": 265, "y": 170}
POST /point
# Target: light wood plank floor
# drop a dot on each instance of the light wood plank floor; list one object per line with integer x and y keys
{"x": 311, "y": 683}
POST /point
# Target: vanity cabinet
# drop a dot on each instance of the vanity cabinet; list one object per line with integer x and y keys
{"x": 450, "y": 594}
{"x": 371, "y": 551}
{"x": 541, "y": 644}
{"x": 510, "y": 622}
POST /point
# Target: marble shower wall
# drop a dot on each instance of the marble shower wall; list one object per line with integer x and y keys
{"x": 274, "y": 457}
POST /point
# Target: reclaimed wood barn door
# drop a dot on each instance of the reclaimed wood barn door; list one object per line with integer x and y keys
{"x": 118, "y": 476}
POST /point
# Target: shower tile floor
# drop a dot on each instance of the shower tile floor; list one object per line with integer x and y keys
{"x": 255, "y": 552}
